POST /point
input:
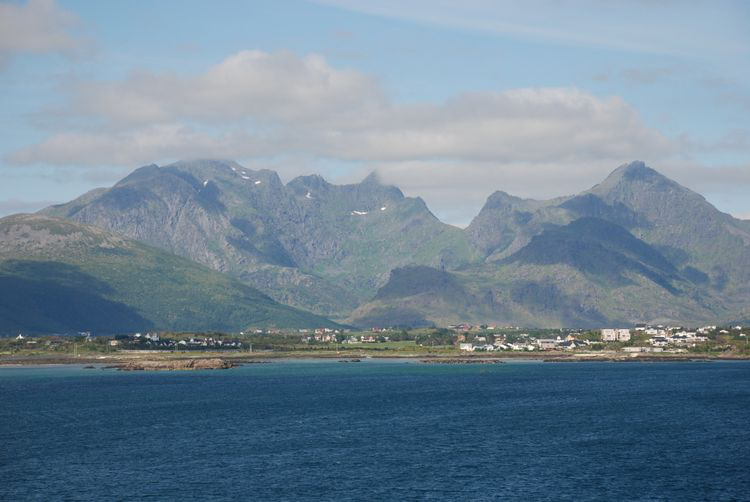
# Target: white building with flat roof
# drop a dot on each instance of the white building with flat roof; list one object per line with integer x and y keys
{"x": 615, "y": 335}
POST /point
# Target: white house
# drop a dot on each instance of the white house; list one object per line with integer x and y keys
{"x": 546, "y": 343}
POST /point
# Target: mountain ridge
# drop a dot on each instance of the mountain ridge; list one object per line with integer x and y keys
{"x": 254, "y": 227}
{"x": 333, "y": 248}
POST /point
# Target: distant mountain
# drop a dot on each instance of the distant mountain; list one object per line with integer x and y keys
{"x": 322, "y": 247}
{"x": 636, "y": 247}
{"x": 708, "y": 245}
{"x": 63, "y": 276}
{"x": 588, "y": 273}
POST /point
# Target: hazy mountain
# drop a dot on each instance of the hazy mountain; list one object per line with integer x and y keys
{"x": 507, "y": 223}
{"x": 711, "y": 246}
{"x": 63, "y": 276}
{"x": 588, "y": 273}
{"x": 637, "y": 246}
{"x": 309, "y": 243}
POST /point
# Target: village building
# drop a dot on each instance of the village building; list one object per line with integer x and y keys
{"x": 659, "y": 341}
{"x": 615, "y": 335}
{"x": 546, "y": 343}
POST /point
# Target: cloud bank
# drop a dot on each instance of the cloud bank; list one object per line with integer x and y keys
{"x": 303, "y": 114}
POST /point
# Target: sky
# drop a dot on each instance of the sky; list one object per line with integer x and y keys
{"x": 448, "y": 100}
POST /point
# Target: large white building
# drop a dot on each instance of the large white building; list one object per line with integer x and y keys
{"x": 615, "y": 335}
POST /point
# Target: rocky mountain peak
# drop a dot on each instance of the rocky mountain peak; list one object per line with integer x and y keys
{"x": 635, "y": 173}
{"x": 501, "y": 200}
{"x": 371, "y": 179}
{"x": 309, "y": 185}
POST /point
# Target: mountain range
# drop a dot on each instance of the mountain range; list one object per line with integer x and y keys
{"x": 318, "y": 246}
{"x": 636, "y": 247}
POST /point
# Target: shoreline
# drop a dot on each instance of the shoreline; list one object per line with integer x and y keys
{"x": 267, "y": 357}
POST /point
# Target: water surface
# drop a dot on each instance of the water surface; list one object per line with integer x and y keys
{"x": 378, "y": 430}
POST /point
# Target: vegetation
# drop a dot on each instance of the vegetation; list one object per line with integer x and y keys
{"x": 64, "y": 277}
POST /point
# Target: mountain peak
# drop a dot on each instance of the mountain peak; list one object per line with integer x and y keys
{"x": 500, "y": 199}
{"x": 372, "y": 186}
{"x": 303, "y": 185}
{"x": 636, "y": 171}
{"x": 372, "y": 179}
{"x": 206, "y": 163}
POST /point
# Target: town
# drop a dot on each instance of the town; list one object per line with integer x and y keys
{"x": 640, "y": 339}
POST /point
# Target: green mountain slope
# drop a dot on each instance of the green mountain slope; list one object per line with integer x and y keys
{"x": 319, "y": 246}
{"x": 588, "y": 273}
{"x": 62, "y": 276}
{"x": 601, "y": 250}
{"x": 687, "y": 229}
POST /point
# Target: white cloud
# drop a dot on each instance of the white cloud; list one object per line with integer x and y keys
{"x": 536, "y": 125}
{"x": 255, "y": 103}
{"x": 691, "y": 29}
{"x": 249, "y": 85}
{"x": 303, "y": 115}
{"x": 39, "y": 26}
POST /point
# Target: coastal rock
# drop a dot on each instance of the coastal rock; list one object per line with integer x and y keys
{"x": 460, "y": 361}
{"x": 177, "y": 365}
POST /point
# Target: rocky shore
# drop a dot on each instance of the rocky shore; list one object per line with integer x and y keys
{"x": 460, "y": 361}
{"x": 177, "y": 365}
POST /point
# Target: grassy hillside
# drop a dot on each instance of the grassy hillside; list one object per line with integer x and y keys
{"x": 60, "y": 276}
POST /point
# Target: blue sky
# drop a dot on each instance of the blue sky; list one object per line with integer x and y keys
{"x": 448, "y": 100}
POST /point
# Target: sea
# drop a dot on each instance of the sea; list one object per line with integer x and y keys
{"x": 378, "y": 430}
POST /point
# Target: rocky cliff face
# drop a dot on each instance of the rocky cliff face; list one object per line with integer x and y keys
{"x": 309, "y": 243}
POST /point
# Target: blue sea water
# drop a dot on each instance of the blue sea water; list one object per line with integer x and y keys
{"x": 378, "y": 430}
